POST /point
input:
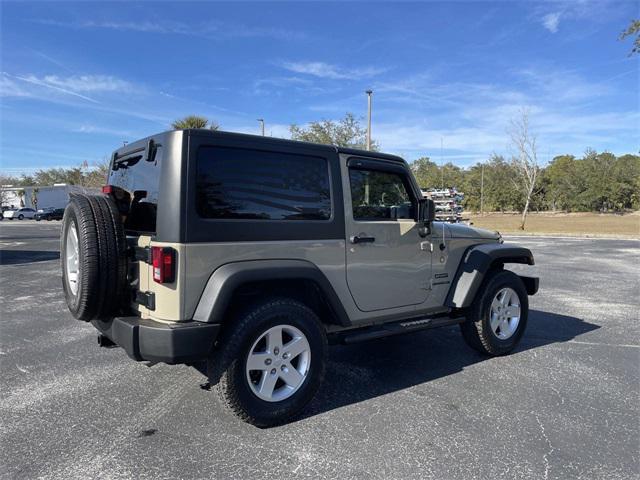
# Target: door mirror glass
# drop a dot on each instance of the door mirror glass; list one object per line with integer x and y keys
{"x": 427, "y": 210}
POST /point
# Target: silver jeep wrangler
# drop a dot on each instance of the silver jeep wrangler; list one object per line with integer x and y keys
{"x": 248, "y": 255}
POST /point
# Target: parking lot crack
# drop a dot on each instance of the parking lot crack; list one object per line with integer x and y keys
{"x": 545, "y": 457}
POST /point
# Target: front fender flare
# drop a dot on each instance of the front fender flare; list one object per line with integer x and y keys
{"x": 475, "y": 264}
{"x": 226, "y": 279}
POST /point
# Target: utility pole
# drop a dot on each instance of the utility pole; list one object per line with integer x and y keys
{"x": 261, "y": 120}
{"x": 482, "y": 190}
{"x": 441, "y": 164}
{"x": 369, "y": 92}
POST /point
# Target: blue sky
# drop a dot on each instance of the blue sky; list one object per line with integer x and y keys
{"x": 79, "y": 78}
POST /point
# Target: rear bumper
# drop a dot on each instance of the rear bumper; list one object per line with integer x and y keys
{"x": 147, "y": 340}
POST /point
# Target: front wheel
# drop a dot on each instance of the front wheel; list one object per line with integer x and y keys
{"x": 270, "y": 362}
{"x": 498, "y": 316}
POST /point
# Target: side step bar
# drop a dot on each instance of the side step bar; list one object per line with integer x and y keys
{"x": 390, "y": 329}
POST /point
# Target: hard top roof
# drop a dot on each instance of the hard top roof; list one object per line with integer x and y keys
{"x": 256, "y": 139}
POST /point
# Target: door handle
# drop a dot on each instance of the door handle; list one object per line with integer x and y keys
{"x": 357, "y": 239}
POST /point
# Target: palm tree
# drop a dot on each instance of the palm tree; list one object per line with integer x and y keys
{"x": 194, "y": 121}
{"x": 21, "y": 193}
{"x": 34, "y": 197}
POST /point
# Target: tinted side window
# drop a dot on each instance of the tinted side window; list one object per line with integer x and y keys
{"x": 378, "y": 195}
{"x": 260, "y": 185}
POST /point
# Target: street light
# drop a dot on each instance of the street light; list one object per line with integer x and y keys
{"x": 261, "y": 120}
{"x": 369, "y": 92}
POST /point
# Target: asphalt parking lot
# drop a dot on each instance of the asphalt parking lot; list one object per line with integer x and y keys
{"x": 566, "y": 404}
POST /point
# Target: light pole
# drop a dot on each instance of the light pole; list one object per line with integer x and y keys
{"x": 261, "y": 120}
{"x": 369, "y": 92}
{"x": 482, "y": 191}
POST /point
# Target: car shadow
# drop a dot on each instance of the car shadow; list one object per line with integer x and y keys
{"x": 17, "y": 257}
{"x": 360, "y": 372}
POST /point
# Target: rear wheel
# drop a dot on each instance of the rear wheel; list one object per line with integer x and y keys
{"x": 498, "y": 316}
{"x": 20, "y": 217}
{"x": 271, "y": 362}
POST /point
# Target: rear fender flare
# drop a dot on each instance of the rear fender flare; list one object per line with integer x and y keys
{"x": 224, "y": 281}
{"x": 475, "y": 264}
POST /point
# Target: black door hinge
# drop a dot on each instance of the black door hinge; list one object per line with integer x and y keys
{"x": 141, "y": 254}
{"x": 146, "y": 299}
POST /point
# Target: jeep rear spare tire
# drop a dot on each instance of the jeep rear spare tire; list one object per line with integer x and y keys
{"x": 93, "y": 257}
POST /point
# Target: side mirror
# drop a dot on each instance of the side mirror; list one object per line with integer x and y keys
{"x": 426, "y": 211}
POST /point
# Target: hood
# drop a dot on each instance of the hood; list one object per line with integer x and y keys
{"x": 459, "y": 230}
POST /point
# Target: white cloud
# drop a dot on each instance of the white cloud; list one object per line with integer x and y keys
{"x": 76, "y": 86}
{"x": 551, "y": 21}
{"x": 211, "y": 29}
{"x": 89, "y": 83}
{"x": 327, "y": 70}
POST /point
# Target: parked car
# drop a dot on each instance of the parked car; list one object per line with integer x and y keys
{"x": 245, "y": 256}
{"x": 49, "y": 214}
{"x": 20, "y": 213}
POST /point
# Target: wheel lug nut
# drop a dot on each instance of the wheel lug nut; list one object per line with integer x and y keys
{"x": 276, "y": 351}
{"x": 283, "y": 367}
{"x": 285, "y": 355}
{"x": 267, "y": 361}
{"x": 273, "y": 371}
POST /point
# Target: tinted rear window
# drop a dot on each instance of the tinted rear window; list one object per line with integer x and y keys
{"x": 260, "y": 185}
{"x": 141, "y": 179}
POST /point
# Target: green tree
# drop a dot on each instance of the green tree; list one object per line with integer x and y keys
{"x": 426, "y": 172}
{"x": 97, "y": 176}
{"x": 344, "y": 133}
{"x": 194, "y": 121}
{"x": 631, "y": 30}
{"x": 562, "y": 182}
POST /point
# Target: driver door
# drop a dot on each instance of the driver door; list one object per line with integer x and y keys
{"x": 388, "y": 262}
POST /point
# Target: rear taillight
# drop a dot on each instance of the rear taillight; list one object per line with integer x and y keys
{"x": 163, "y": 260}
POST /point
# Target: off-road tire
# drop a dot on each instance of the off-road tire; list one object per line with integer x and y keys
{"x": 102, "y": 258}
{"x": 226, "y": 366}
{"x": 477, "y": 331}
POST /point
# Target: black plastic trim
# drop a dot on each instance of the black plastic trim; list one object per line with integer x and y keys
{"x": 146, "y": 299}
{"x": 531, "y": 284}
{"x": 147, "y": 340}
{"x": 476, "y": 263}
{"x": 391, "y": 329}
{"x": 225, "y": 280}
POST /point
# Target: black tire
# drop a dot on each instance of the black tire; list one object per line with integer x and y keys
{"x": 20, "y": 217}
{"x": 102, "y": 258}
{"x": 477, "y": 331}
{"x": 226, "y": 367}
{"x": 83, "y": 304}
{"x": 120, "y": 298}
